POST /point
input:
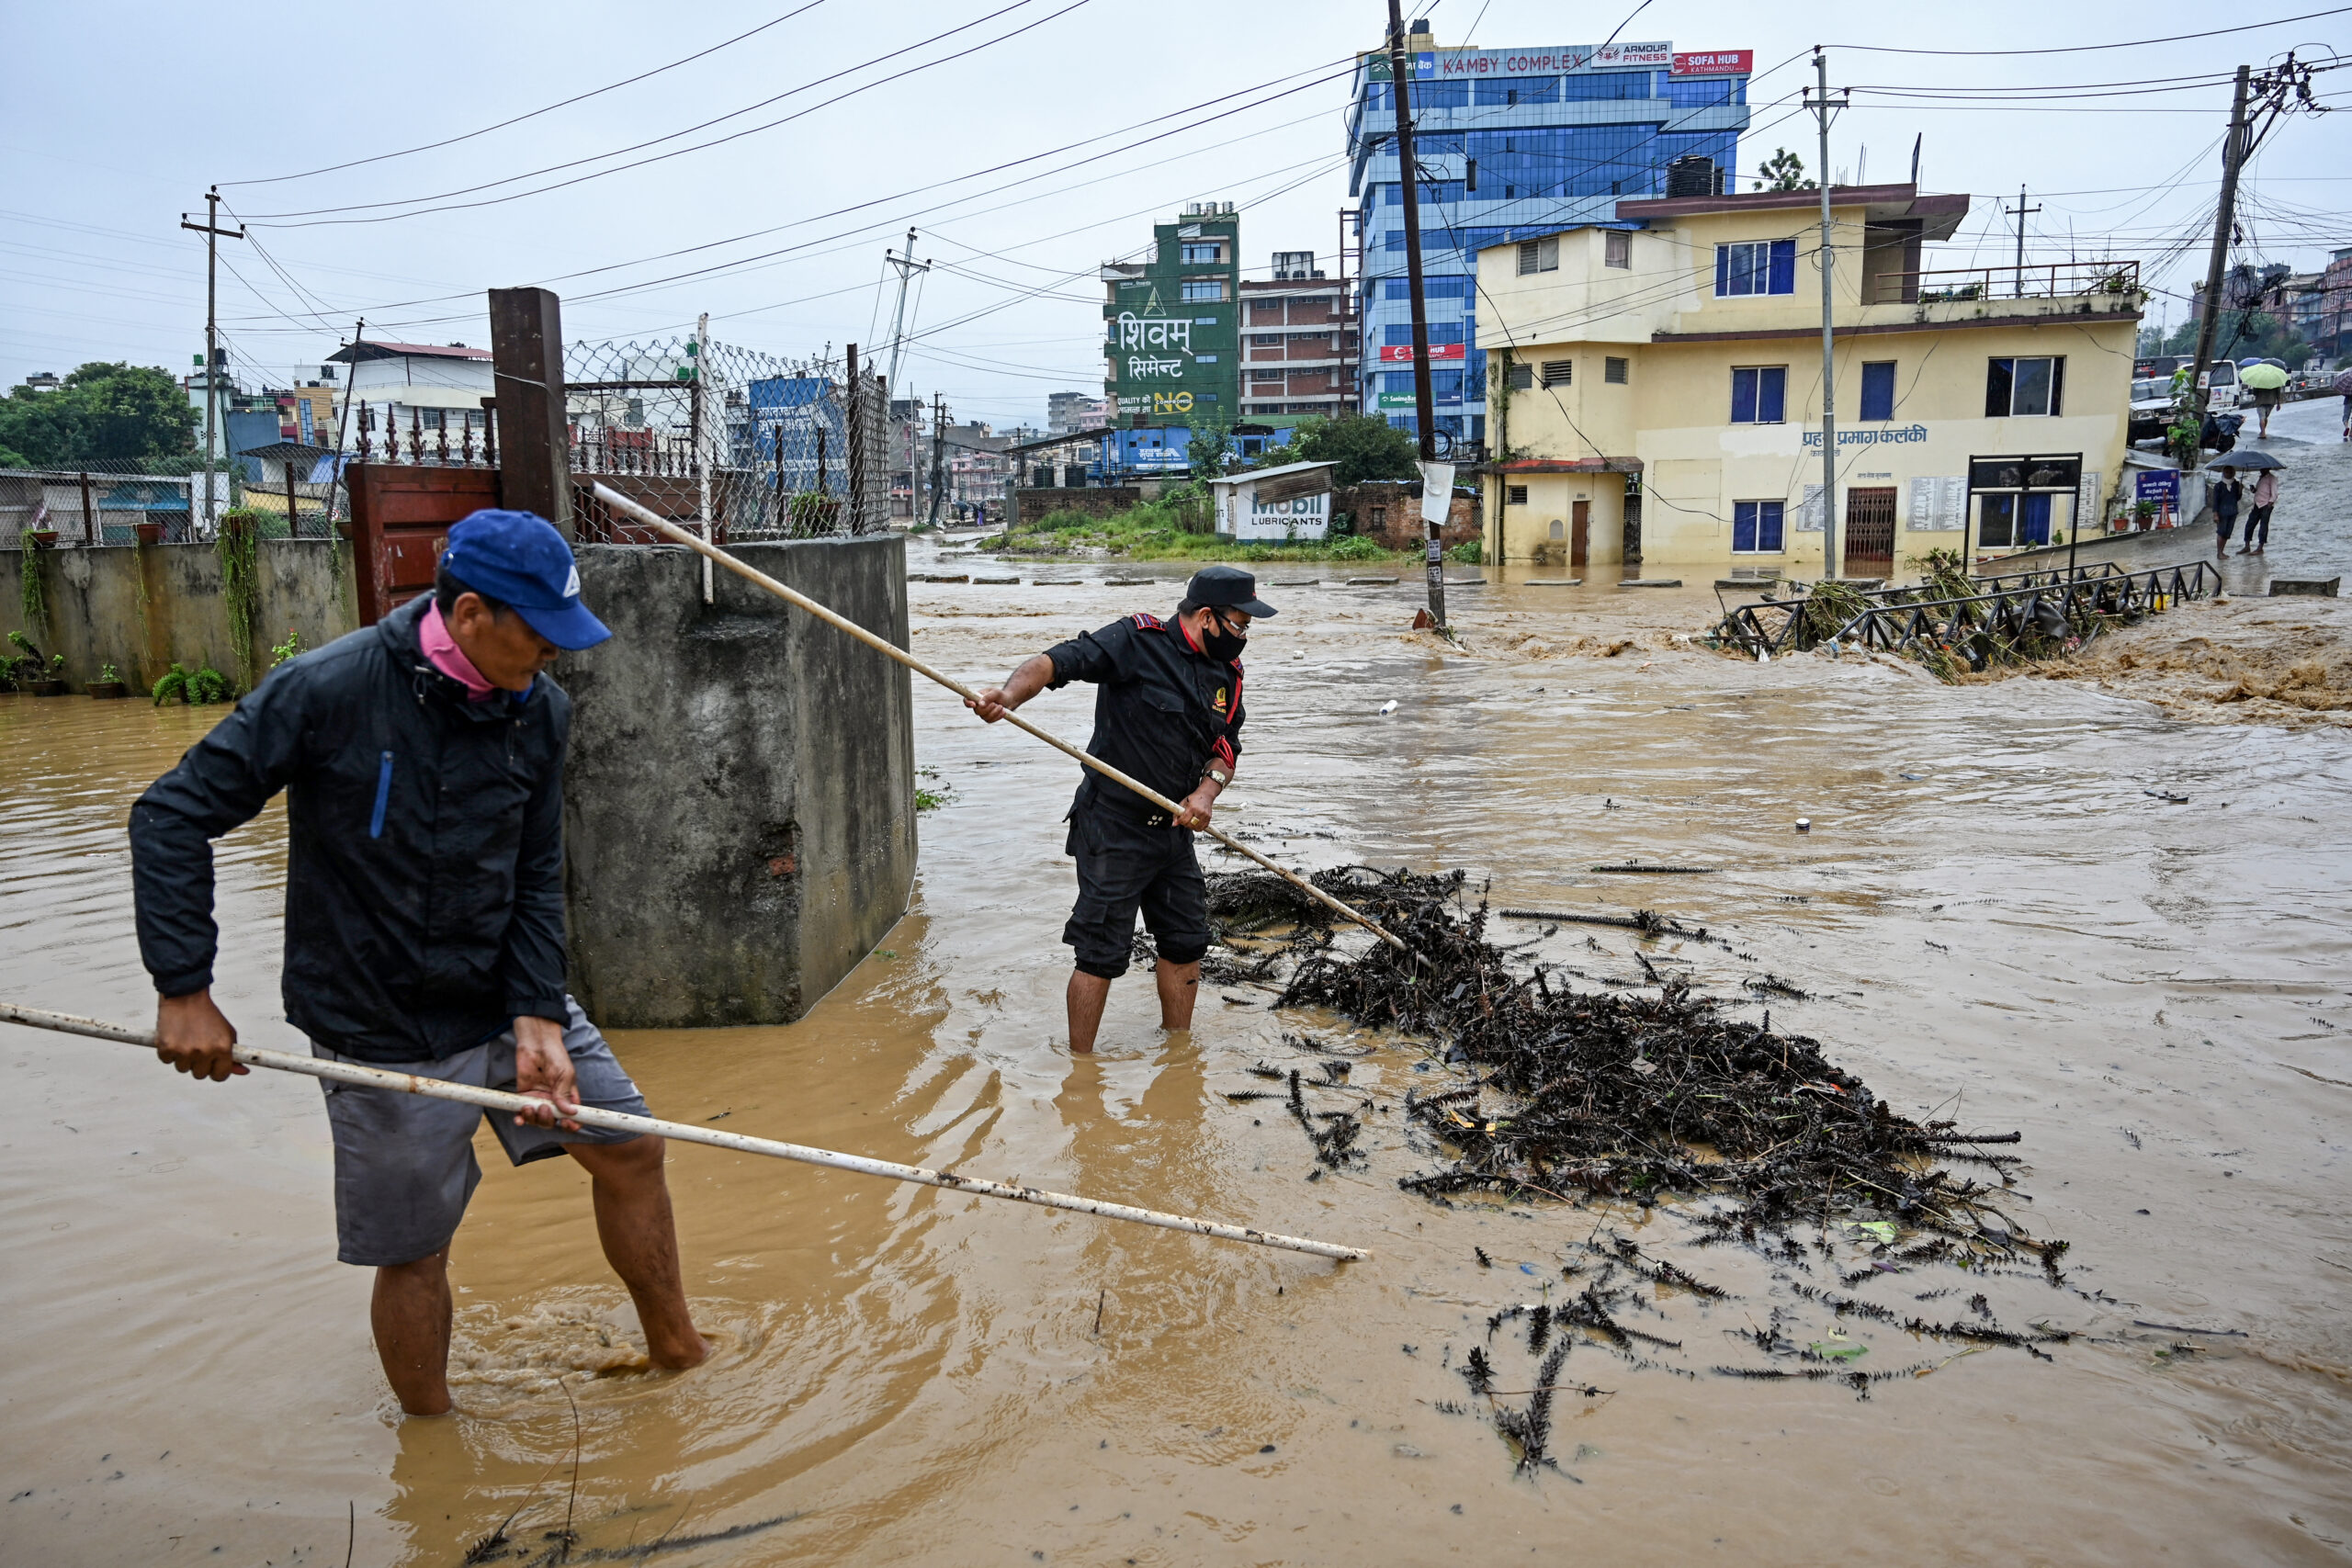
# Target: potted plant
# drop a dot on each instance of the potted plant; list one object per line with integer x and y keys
{"x": 148, "y": 533}
{"x": 12, "y": 666}
{"x": 38, "y": 673}
{"x": 42, "y": 536}
{"x": 109, "y": 684}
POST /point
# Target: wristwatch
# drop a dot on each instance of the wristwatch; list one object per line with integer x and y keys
{"x": 1224, "y": 778}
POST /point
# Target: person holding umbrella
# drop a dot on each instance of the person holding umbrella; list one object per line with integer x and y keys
{"x": 2265, "y": 381}
{"x": 2263, "y": 497}
{"x": 2225, "y": 495}
{"x": 2344, "y": 385}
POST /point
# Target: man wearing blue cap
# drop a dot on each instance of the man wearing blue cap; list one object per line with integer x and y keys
{"x": 1167, "y": 714}
{"x": 422, "y": 762}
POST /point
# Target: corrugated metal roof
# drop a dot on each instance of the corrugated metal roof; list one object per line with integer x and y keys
{"x": 354, "y": 353}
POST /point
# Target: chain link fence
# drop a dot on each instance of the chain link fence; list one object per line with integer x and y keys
{"x": 755, "y": 445}
{"x": 749, "y": 446}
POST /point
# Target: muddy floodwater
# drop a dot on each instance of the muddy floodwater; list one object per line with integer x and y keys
{"x": 2035, "y": 906}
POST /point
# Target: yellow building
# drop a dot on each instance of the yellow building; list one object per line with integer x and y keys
{"x": 1656, "y": 389}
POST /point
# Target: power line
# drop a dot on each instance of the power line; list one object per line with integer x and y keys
{"x": 320, "y": 215}
{"x": 534, "y": 114}
{"x": 2091, "y": 48}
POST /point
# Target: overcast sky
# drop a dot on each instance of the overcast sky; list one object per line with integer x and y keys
{"x": 124, "y": 113}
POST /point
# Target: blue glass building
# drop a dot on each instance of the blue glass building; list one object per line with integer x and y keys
{"x": 1513, "y": 143}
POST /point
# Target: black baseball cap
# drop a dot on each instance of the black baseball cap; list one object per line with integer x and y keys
{"x": 1226, "y": 588}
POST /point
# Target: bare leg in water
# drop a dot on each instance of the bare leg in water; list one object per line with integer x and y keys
{"x": 410, "y": 1308}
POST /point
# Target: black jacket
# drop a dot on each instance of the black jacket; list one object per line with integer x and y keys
{"x": 424, "y": 864}
{"x": 1163, "y": 708}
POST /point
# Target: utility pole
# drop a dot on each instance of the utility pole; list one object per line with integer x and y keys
{"x": 2234, "y": 151}
{"x": 1433, "y": 473}
{"x": 938, "y": 452}
{"x": 1822, "y": 104}
{"x": 2018, "y": 211}
{"x": 213, "y": 235}
{"x": 907, "y": 266}
{"x": 343, "y": 428}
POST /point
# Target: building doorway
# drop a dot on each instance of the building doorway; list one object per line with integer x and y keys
{"x": 1632, "y": 516}
{"x": 1579, "y": 534}
{"x": 1869, "y": 532}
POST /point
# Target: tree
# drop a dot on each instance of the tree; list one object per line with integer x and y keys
{"x": 1363, "y": 447}
{"x": 1207, "y": 452}
{"x": 1783, "y": 171}
{"x": 99, "y": 413}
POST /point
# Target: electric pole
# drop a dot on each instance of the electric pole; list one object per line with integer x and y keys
{"x": 2234, "y": 151}
{"x": 907, "y": 266}
{"x": 938, "y": 452}
{"x": 1821, "y": 103}
{"x": 1434, "y": 474}
{"x": 213, "y": 235}
{"x": 2018, "y": 211}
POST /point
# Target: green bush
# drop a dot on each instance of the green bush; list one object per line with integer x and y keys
{"x": 1469, "y": 552}
{"x": 1355, "y": 546}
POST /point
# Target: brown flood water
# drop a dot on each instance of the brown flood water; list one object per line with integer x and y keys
{"x": 1991, "y": 911}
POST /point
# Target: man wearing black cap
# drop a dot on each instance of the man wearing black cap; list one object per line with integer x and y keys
{"x": 1167, "y": 714}
{"x": 423, "y": 761}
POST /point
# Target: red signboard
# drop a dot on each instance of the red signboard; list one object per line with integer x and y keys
{"x": 1715, "y": 62}
{"x": 1393, "y": 352}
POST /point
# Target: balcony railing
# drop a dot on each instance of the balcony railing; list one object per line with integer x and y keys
{"x": 2038, "y": 280}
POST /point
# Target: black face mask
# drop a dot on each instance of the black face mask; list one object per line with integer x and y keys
{"x": 1219, "y": 642}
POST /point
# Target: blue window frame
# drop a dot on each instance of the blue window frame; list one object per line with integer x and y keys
{"x": 1878, "y": 390}
{"x": 1758, "y": 266}
{"x": 1399, "y": 334}
{"x": 1517, "y": 90}
{"x": 1585, "y": 86}
{"x": 1756, "y": 527}
{"x": 1760, "y": 394}
{"x": 1438, "y": 286}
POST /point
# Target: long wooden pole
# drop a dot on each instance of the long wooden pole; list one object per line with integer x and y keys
{"x": 619, "y": 1122}
{"x": 671, "y": 531}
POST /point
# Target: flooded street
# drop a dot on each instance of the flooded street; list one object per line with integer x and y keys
{"x": 2000, "y": 912}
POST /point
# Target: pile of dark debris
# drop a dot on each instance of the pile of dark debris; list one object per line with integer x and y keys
{"x": 1628, "y": 1099}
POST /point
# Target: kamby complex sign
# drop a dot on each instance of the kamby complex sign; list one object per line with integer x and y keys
{"x": 1402, "y": 353}
{"x": 1430, "y": 64}
{"x": 1715, "y": 62}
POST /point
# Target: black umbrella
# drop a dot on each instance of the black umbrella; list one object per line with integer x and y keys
{"x": 2247, "y": 460}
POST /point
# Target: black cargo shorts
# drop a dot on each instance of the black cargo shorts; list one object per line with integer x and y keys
{"x": 1125, "y": 864}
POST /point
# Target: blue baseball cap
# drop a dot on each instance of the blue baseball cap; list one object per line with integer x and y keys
{"x": 517, "y": 557}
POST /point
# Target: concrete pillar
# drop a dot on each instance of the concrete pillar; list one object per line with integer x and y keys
{"x": 533, "y": 444}
{"x": 738, "y": 801}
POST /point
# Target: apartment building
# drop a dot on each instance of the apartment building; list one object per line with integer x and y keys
{"x": 1300, "y": 345}
{"x": 1660, "y": 397}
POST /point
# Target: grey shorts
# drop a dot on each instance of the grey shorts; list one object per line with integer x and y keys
{"x": 404, "y": 1165}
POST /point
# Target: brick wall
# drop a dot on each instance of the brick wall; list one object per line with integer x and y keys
{"x": 1093, "y": 500}
{"x": 1391, "y": 513}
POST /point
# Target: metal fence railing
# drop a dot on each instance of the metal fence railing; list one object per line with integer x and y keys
{"x": 2022, "y": 614}
{"x": 755, "y": 445}
{"x": 102, "y": 502}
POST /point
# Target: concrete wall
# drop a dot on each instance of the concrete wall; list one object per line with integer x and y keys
{"x": 740, "y": 812}
{"x": 140, "y": 609}
{"x": 739, "y": 806}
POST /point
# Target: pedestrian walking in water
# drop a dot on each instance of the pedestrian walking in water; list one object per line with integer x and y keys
{"x": 2227, "y": 492}
{"x": 422, "y": 759}
{"x": 2265, "y": 497}
{"x": 1167, "y": 712}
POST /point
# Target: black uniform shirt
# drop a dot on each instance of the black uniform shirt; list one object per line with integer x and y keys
{"x": 1162, "y": 711}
